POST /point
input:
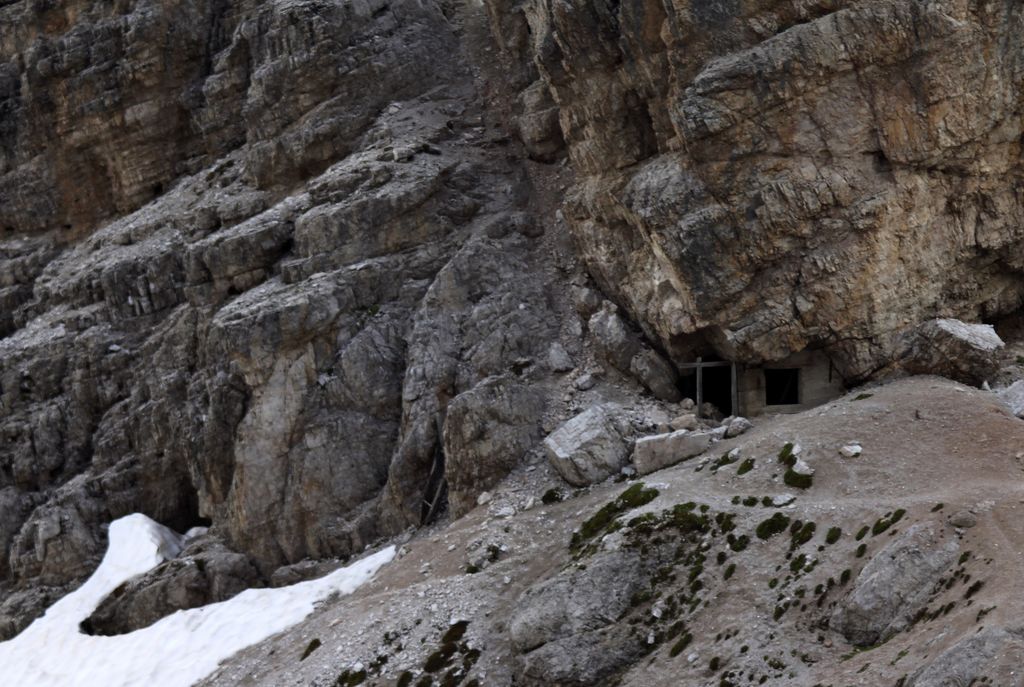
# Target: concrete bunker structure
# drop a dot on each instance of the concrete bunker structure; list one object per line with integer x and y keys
{"x": 801, "y": 381}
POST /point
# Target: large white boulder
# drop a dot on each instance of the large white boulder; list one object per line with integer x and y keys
{"x": 968, "y": 353}
{"x": 662, "y": 450}
{"x": 590, "y": 447}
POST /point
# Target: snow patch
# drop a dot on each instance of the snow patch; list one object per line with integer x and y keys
{"x": 176, "y": 651}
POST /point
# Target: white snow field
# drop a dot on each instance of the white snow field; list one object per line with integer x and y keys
{"x": 176, "y": 651}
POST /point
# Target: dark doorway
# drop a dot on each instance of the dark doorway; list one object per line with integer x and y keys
{"x": 782, "y": 387}
{"x": 718, "y": 388}
{"x": 716, "y": 383}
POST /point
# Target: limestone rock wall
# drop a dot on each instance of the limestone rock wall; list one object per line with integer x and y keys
{"x": 757, "y": 178}
{"x": 249, "y": 252}
{"x": 252, "y": 252}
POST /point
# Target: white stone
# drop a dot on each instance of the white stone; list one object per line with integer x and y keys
{"x": 737, "y": 426}
{"x": 558, "y": 358}
{"x": 685, "y": 421}
{"x": 588, "y": 448}
{"x": 851, "y": 450}
{"x": 802, "y": 468}
{"x": 1013, "y": 397}
{"x": 662, "y": 450}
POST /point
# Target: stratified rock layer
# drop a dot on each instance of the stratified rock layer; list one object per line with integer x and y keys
{"x": 758, "y": 178}
{"x": 249, "y": 252}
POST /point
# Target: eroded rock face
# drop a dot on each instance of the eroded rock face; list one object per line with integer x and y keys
{"x": 894, "y": 585}
{"x": 591, "y": 446}
{"x": 565, "y": 627}
{"x": 205, "y": 572}
{"x": 965, "y": 352}
{"x": 249, "y": 253}
{"x": 761, "y": 178}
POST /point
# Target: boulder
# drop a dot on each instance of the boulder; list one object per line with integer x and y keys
{"x": 684, "y": 421}
{"x": 736, "y": 426}
{"x": 625, "y": 351}
{"x": 1013, "y": 397}
{"x": 657, "y": 374}
{"x": 993, "y": 652}
{"x": 537, "y": 126}
{"x": 614, "y": 340}
{"x": 205, "y": 572}
{"x": 967, "y": 353}
{"x": 894, "y": 585}
{"x": 850, "y": 450}
{"x": 559, "y": 359}
{"x": 590, "y": 447}
{"x": 565, "y": 626}
{"x": 662, "y": 450}
{"x": 486, "y": 432}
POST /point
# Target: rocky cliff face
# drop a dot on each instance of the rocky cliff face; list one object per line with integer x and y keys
{"x": 251, "y": 252}
{"x": 307, "y": 271}
{"x": 757, "y": 178}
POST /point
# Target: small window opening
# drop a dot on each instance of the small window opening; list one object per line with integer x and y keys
{"x": 782, "y": 387}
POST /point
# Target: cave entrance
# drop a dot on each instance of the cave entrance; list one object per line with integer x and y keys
{"x": 712, "y": 381}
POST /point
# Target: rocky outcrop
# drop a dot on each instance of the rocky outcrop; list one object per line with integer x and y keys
{"x": 565, "y": 627}
{"x": 590, "y": 447}
{"x": 250, "y": 254}
{"x": 895, "y": 585}
{"x": 756, "y": 179}
{"x": 205, "y": 572}
{"x": 662, "y": 450}
{"x": 271, "y": 268}
{"x": 968, "y": 353}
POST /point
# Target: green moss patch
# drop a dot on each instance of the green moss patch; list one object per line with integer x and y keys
{"x": 350, "y": 678}
{"x": 776, "y": 524}
{"x": 801, "y": 533}
{"x": 886, "y": 521}
{"x": 794, "y": 479}
{"x": 601, "y": 522}
{"x": 310, "y": 648}
{"x": 745, "y": 467}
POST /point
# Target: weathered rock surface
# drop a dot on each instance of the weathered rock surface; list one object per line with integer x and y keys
{"x": 653, "y": 453}
{"x": 993, "y": 653}
{"x": 272, "y": 268}
{"x": 894, "y": 585}
{"x": 487, "y": 431}
{"x": 249, "y": 253}
{"x": 965, "y": 352}
{"x": 625, "y": 350}
{"x": 590, "y": 447}
{"x": 565, "y": 627}
{"x": 752, "y": 183}
{"x": 204, "y": 572}
{"x": 1013, "y": 397}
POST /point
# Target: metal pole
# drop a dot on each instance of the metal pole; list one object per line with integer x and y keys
{"x": 700, "y": 386}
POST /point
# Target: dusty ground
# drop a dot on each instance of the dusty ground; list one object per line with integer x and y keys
{"x": 926, "y": 442}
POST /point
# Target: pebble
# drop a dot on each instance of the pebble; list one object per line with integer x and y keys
{"x": 584, "y": 382}
{"x": 851, "y": 450}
